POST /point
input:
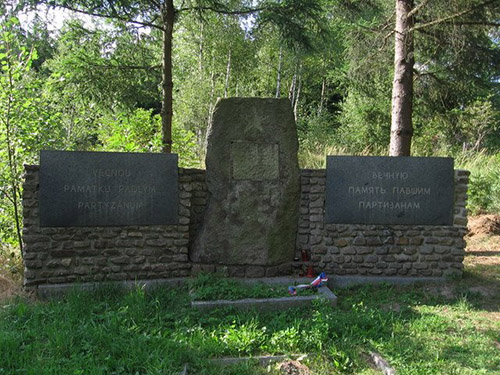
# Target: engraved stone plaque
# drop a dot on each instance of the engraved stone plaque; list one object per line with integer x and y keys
{"x": 107, "y": 189}
{"x": 389, "y": 190}
{"x": 255, "y": 161}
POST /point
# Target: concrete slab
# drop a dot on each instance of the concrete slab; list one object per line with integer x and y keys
{"x": 48, "y": 291}
{"x": 268, "y": 304}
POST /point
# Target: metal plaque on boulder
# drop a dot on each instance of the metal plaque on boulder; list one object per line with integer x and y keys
{"x": 389, "y": 190}
{"x": 107, "y": 189}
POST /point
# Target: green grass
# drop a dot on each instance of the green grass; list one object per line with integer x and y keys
{"x": 207, "y": 287}
{"x": 110, "y": 332}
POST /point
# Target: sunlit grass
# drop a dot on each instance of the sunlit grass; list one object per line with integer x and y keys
{"x": 108, "y": 331}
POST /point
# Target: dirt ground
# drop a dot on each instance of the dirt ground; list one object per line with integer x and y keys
{"x": 8, "y": 288}
{"x": 484, "y": 224}
{"x": 483, "y": 244}
{"x": 482, "y": 260}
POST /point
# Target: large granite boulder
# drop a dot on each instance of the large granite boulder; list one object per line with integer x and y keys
{"x": 254, "y": 185}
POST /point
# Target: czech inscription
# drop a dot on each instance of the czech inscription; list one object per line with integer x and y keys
{"x": 255, "y": 161}
{"x": 104, "y": 189}
{"x": 389, "y": 190}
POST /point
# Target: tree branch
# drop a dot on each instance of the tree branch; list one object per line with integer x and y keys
{"x": 224, "y": 11}
{"x": 126, "y": 67}
{"x": 417, "y": 8}
{"x": 478, "y": 23}
{"x": 115, "y": 16}
{"x": 452, "y": 16}
{"x": 384, "y": 42}
{"x": 155, "y": 3}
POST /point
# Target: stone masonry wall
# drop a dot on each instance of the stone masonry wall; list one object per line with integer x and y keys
{"x": 379, "y": 250}
{"x": 94, "y": 254}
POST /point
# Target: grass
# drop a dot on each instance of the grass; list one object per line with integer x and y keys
{"x": 418, "y": 329}
{"x": 207, "y": 287}
{"x": 447, "y": 328}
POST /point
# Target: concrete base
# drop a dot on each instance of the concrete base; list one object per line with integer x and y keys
{"x": 268, "y": 304}
{"x": 48, "y": 291}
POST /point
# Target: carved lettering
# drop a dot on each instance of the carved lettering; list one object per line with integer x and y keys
{"x": 390, "y": 175}
{"x": 366, "y": 190}
{"x": 137, "y": 189}
{"x": 110, "y": 206}
{"x": 112, "y": 173}
{"x": 388, "y": 205}
{"x": 411, "y": 190}
{"x": 87, "y": 189}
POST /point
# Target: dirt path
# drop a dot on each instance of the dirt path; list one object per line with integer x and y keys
{"x": 482, "y": 261}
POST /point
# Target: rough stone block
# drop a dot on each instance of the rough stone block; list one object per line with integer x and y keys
{"x": 120, "y": 260}
{"x": 364, "y": 250}
{"x": 421, "y": 266}
{"x": 340, "y": 242}
{"x": 255, "y": 271}
{"x": 359, "y": 241}
{"x": 348, "y": 250}
{"x": 252, "y": 168}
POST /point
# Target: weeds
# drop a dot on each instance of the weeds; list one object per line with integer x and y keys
{"x": 214, "y": 287}
{"x": 11, "y": 263}
{"x": 106, "y": 331}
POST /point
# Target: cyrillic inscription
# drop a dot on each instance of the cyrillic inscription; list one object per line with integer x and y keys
{"x": 388, "y": 190}
{"x": 102, "y": 189}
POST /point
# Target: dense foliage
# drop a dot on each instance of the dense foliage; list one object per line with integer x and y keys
{"x": 95, "y": 83}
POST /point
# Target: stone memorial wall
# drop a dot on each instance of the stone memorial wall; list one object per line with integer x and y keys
{"x": 380, "y": 250}
{"x": 93, "y": 254}
{"x": 58, "y": 255}
{"x": 92, "y": 217}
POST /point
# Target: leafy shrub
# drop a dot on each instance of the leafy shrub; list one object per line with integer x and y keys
{"x": 11, "y": 264}
{"x": 484, "y": 184}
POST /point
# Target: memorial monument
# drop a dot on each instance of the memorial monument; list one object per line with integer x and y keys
{"x": 253, "y": 183}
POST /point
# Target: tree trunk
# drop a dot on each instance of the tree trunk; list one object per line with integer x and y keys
{"x": 11, "y": 152}
{"x": 168, "y": 18}
{"x": 297, "y": 97}
{"x": 402, "y": 89}
{"x": 323, "y": 95}
{"x": 278, "y": 78}
{"x": 291, "y": 92}
{"x": 200, "y": 52}
{"x": 228, "y": 73}
{"x": 212, "y": 95}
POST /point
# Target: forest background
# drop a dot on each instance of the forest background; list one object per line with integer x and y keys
{"x": 97, "y": 83}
